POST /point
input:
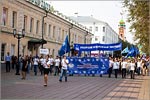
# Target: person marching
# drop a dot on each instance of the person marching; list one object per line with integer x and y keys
{"x": 51, "y": 64}
{"x": 46, "y": 65}
{"x": 57, "y": 61}
{"x": 132, "y": 68}
{"x": 124, "y": 66}
{"x": 64, "y": 63}
{"x": 110, "y": 67}
{"x": 116, "y": 67}
{"x": 24, "y": 67}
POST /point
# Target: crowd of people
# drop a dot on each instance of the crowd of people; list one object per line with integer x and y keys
{"x": 130, "y": 66}
{"x": 46, "y": 64}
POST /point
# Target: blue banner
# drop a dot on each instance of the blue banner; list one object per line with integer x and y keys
{"x": 97, "y": 46}
{"x": 88, "y": 65}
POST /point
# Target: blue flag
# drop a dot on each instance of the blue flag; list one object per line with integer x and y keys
{"x": 65, "y": 48}
{"x": 126, "y": 50}
{"x": 132, "y": 52}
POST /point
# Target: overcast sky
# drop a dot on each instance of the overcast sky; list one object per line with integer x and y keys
{"x": 107, "y": 11}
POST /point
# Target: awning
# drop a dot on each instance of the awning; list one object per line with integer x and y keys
{"x": 37, "y": 41}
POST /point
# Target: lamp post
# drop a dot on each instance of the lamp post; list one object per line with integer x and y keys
{"x": 18, "y": 36}
{"x": 43, "y": 27}
{"x": 70, "y": 34}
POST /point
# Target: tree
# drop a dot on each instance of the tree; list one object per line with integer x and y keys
{"x": 139, "y": 18}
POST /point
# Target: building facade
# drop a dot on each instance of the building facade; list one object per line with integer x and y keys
{"x": 102, "y": 32}
{"x": 29, "y": 15}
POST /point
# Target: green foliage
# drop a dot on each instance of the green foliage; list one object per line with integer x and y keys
{"x": 139, "y": 18}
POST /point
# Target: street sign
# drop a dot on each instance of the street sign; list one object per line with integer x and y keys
{"x": 44, "y": 51}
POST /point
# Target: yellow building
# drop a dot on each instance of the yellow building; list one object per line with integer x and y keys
{"x": 28, "y": 15}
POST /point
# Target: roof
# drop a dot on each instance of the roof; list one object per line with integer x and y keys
{"x": 86, "y": 19}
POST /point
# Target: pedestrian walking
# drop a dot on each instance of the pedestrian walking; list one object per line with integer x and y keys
{"x": 110, "y": 67}
{"x": 57, "y": 62}
{"x": 46, "y": 66}
{"x": 51, "y": 64}
{"x": 35, "y": 63}
{"x": 64, "y": 64}
{"x": 116, "y": 67}
{"x": 139, "y": 64}
{"x": 41, "y": 65}
{"x": 7, "y": 61}
{"x": 124, "y": 66}
{"x": 132, "y": 68}
{"x": 24, "y": 67}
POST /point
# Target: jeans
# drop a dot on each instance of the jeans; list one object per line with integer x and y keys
{"x": 63, "y": 73}
{"x": 35, "y": 69}
{"x": 7, "y": 66}
{"x": 123, "y": 72}
{"x": 138, "y": 70}
{"x": 56, "y": 70}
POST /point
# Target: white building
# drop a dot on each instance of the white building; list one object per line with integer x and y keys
{"x": 102, "y": 32}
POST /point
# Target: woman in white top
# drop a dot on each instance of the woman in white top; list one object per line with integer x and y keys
{"x": 116, "y": 67}
{"x": 64, "y": 64}
{"x": 132, "y": 68}
{"x": 139, "y": 64}
{"x": 57, "y": 62}
{"x": 124, "y": 66}
{"x": 35, "y": 63}
{"x": 46, "y": 65}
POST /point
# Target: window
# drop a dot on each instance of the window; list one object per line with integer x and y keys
{"x": 62, "y": 34}
{"x": 90, "y": 28}
{"x": 31, "y": 25}
{"x": 45, "y": 29}
{"x": 96, "y": 28}
{"x": 14, "y": 19}
{"x": 37, "y": 26}
{"x": 96, "y": 39}
{"x": 103, "y": 39}
{"x": 59, "y": 33}
{"x": 54, "y": 28}
{"x": 12, "y": 49}
{"x": 49, "y": 30}
{"x": 103, "y": 29}
{"x": 23, "y": 50}
{"x": 3, "y": 52}
{"x": 25, "y": 23}
{"x": 75, "y": 37}
{"x": 53, "y": 52}
{"x": 4, "y": 16}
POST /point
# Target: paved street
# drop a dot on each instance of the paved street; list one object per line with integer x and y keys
{"x": 77, "y": 88}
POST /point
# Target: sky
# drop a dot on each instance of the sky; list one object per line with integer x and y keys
{"x": 107, "y": 11}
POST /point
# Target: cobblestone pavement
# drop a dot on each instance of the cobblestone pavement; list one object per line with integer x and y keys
{"x": 77, "y": 87}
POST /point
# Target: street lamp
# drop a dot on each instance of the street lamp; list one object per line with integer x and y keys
{"x": 70, "y": 34}
{"x": 18, "y": 36}
{"x": 43, "y": 27}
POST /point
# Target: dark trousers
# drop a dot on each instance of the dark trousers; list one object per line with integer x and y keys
{"x": 109, "y": 72}
{"x": 132, "y": 74}
{"x": 13, "y": 65}
{"x": 56, "y": 70}
{"x": 138, "y": 70}
{"x": 116, "y": 73}
{"x": 51, "y": 69}
{"x": 7, "y": 66}
{"x": 124, "y": 73}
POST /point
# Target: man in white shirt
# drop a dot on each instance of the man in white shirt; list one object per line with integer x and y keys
{"x": 116, "y": 67}
{"x": 110, "y": 66}
{"x": 124, "y": 66}
{"x": 64, "y": 64}
{"x": 35, "y": 63}
{"x": 51, "y": 64}
{"x": 57, "y": 62}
